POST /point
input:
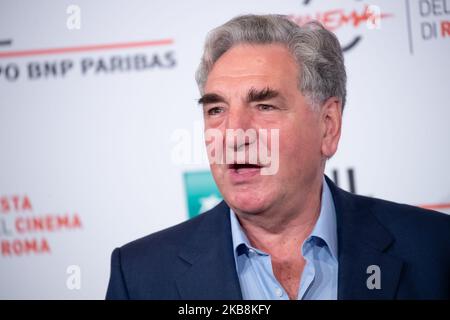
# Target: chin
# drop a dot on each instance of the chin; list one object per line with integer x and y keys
{"x": 247, "y": 201}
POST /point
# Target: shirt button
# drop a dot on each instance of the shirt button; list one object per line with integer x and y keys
{"x": 278, "y": 292}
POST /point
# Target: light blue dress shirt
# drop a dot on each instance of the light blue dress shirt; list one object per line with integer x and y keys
{"x": 320, "y": 274}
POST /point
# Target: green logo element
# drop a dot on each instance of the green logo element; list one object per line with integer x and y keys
{"x": 201, "y": 192}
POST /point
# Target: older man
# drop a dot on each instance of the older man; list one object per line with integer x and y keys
{"x": 291, "y": 234}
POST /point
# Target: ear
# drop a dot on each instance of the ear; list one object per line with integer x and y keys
{"x": 331, "y": 122}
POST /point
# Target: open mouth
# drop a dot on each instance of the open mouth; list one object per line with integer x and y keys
{"x": 244, "y": 167}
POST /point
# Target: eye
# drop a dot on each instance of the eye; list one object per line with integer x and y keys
{"x": 265, "y": 107}
{"x": 214, "y": 111}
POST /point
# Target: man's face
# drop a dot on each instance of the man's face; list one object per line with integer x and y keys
{"x": 256, "y": 87}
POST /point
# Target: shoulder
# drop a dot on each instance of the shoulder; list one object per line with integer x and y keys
{"x": 138, "y": 267}
{"x": 393, "y": 213}
{"x": 166, "y": 239}
{"x": 164, "y": 245}
{"x": 409, "y": 223}
{"x": 154, "y": 260}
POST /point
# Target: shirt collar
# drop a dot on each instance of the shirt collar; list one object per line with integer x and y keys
{"x": 325, "y": 227}
{"x": 240, "y": 240}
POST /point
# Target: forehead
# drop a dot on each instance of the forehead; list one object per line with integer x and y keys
{"x": 254, "y": 65}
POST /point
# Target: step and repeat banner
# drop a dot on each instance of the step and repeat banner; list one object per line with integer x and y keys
{"x": 101, "y": 138}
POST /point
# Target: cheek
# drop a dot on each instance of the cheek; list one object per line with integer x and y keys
{"x": 217, "y": 171}
{"x": 299, "y": 145}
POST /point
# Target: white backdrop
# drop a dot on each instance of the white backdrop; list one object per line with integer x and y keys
{"x": 88, "y": 115}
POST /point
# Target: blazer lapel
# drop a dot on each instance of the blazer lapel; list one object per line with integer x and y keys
{"x": 363, "y": 243}
{"x": 211, "y": 272}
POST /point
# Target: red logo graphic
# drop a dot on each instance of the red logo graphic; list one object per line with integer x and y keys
{"x": 19, "y": 227}
{"x": 334, "y": 19}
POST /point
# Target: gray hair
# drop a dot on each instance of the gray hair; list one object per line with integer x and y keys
{"x": 316, "y": 50}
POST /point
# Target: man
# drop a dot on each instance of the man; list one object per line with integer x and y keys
{"x": 292, "y": 234}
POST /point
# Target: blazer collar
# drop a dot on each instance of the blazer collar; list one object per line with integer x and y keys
{"x": 211, "y": 272}
{"x": 362, "y": 242}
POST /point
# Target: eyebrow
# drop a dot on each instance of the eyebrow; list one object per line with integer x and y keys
{"x": 210, "y": 98}
{"x": 253, "y": 95}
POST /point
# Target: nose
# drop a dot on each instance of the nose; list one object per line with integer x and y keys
{"x": 238, "y": 118}
{"x": 238, "y": 122}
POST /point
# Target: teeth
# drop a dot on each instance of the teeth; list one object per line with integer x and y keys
{"x": 239, "y": 170}
{"x": 245, "y": 165}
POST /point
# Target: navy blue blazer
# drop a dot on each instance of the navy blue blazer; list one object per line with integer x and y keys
{"x": 194, "y": 259}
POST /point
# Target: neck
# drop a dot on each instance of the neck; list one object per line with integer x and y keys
{"x": 281, "y": 229}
